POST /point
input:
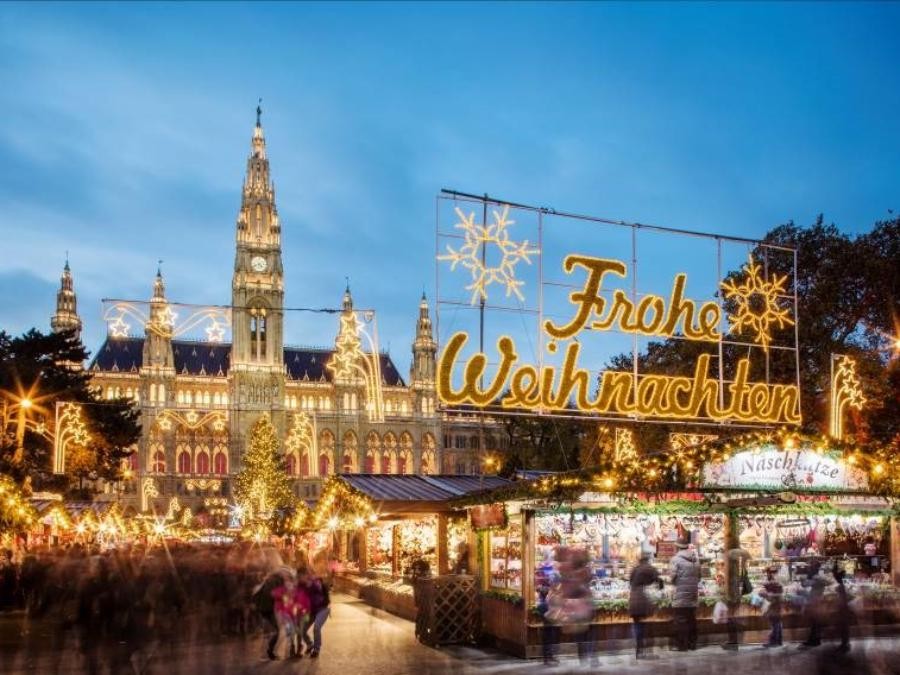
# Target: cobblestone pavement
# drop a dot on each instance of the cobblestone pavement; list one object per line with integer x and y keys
{"x": 359, "y": 639}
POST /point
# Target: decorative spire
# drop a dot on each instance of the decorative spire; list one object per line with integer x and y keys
{"x": 347, "y": 304}
{"x": 257, "y": 221}
{"x": 424, "y": 349}
{"x": 66, "y": 316}
{"x": 159, "y": 287}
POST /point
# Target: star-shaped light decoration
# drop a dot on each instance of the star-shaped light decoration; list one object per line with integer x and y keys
{"x": 119, "y": 328}
{"x": 215, "y": 332}
{"x": 625, "y": 450}
{"x": 191, "y": 417}
{"x": 479, "y": 237}
{"x": 347, "y": 354}
{"x": 168, "y": 317}
{"x": 758, "y": 304}
{"x": 846, "y": 390}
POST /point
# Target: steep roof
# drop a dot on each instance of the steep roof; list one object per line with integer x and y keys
{"x": 213, "y": 359}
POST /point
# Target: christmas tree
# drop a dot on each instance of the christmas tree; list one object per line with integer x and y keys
{"x": 263, "y": 484}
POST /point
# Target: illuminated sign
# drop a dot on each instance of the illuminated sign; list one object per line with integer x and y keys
{"x": 750, "y": 307}
{"x": 774, "y": 468}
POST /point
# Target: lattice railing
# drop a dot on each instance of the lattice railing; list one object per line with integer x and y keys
{"x": 447, "y": 610}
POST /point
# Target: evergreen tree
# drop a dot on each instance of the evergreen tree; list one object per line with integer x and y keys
{"x": 37, "y": 364}
{"x": 263, "y": 484}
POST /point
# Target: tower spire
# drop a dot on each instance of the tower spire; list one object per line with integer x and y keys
{"x": 257, "y": 221}
{"x": 424, "y": 349}
{"x": 66, "y": 316}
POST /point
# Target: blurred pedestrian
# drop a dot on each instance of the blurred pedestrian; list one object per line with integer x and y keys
{"x": 685, "y": 568}
{"x": 773, "y": 593}
{"x": 737, "y": 585}
{"x": 814, "y": 587}
{"x": 319, "y": 611}
{"x": 265, "y": 606}
{"x": 844, "y": 614}
{"x": 640, "y": 606}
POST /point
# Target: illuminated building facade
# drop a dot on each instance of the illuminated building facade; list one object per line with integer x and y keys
{"x": 341, "y": 409}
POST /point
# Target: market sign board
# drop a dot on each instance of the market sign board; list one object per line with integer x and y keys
{"x": 534, "y": 320}
{"x": 773, "y": 468}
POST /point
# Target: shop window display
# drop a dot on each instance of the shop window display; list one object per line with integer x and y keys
{"x": 613, "y": 544}
{"x": 506, "y": 557}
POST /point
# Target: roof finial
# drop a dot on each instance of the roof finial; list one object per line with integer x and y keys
{"x": 159, "y": 267}
{"x": 66, "y": 268}
{"x": 347, "y": 279}
{"x": 258, "y": 112}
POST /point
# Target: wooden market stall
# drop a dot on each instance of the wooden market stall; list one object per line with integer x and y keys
{"x": 396, "y": 528}
{"x": 829, "y": 515}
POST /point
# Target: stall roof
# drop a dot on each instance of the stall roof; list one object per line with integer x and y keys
{"x": 421, "y": 491}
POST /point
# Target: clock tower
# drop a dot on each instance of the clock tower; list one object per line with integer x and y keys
{"x": 257, "y": 298}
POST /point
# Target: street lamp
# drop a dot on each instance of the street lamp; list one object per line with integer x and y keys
{"x": 23, "y": 406}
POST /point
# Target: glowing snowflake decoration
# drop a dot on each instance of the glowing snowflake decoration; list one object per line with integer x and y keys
{"x": 119, "y": 328}
{"x": 479, "y": 237}
{"x": 758, "y": 306}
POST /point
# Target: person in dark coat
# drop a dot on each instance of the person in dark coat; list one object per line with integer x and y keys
{"x": 265, "y": 605}
{"x": 320, "y": 609}
{"x": 640, "y": 606}
{"x": 844, "y": 614}
{"x": 686, "y": 577}
{"x": 814, "y": 584}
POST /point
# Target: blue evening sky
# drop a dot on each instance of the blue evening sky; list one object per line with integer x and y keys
{"x": 126, "y": 129}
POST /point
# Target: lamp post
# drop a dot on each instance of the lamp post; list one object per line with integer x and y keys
{"x": 23, "y": 406}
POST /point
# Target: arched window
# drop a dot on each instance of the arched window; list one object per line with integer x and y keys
{"x": 217, "y": 398}
{"x": 405, "y": 456}
{"x": 158, "y": 456}
{"x": 184, "y": 462}
{"x": 258, "y": 332}
{"x": 373, "y": 448}
{"x": 220, "y": 463}
{"x": 429, "y": 454}
{"x": 162, "y": 393}
{"x": 224, "y": 398}
{"x": 152, "y": 392}
{"x": 354, "y": 404}
{"x": 304, "y": 465}
{"x": 290, "y": 463}
{"x": 203, "y": 461}
{"x": 348, "y": 458}
{"x": 389, "y": 454}
{"x": 326, "y": 452}
{"x": 324, "y": 465}
{"x": 206, "y": 398}
{"x": 179, "y": 397}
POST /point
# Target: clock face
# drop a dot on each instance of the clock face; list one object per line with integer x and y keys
{"x": 258, "y": 263}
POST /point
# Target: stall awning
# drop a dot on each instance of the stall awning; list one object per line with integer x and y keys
{"x": 417, "y": 494}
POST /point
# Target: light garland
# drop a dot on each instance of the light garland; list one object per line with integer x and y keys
{"x": 341, "y": 506}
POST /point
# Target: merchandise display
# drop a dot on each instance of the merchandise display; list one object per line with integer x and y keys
{"x": 506, "y": 557}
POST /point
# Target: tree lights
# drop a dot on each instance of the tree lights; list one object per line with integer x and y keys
{"x": 263, "y": 485}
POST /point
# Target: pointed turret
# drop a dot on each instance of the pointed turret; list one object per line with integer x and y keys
{"x": 424, "y": 350}
{"x": 159, "y": 327}
{"x": 66, "y": 316}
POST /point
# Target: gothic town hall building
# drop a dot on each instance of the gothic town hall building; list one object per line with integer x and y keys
{"x": 341, "y": 409}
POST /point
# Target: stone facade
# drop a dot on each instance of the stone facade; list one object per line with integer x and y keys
{"x": 337, "y": 410}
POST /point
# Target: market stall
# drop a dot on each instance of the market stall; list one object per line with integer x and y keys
{"x": 830, "y": 517}
{"x": 389, "y": 529}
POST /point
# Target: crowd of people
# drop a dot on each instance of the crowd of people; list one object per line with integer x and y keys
{"x": 567, "y": 611}
{"x": 119, "y": 609}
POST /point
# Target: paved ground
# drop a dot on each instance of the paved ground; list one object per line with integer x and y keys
{"x": 359, "y": 639}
